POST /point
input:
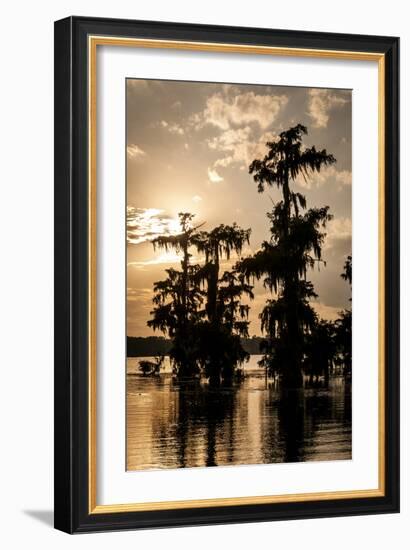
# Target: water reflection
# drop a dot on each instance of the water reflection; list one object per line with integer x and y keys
{"x": 174, "y": 425}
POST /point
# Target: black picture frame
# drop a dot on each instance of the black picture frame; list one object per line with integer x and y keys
{"x": 71, "y": 491}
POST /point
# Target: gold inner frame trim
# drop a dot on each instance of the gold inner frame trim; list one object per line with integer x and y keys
{"x": 93, "y": 42}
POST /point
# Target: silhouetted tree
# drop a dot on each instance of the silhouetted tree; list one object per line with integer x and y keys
{"x": 320, "y": 350}
{"x": 216, "y": 245}
{"x": 343, "y": 340}
{"x": 206, "y": 338}
{"x": 226, "y": 317}
{"x": 151, "y": 368}
{"x": 347, "y": 270}
{"x": 294, "y": 247}
{"x": 178, "y": 298}
{"x": 343, "y": 326}
{"x": 275, "y": 348}
{"x": 221, "y": 349}
{"x": 233, "y": 313}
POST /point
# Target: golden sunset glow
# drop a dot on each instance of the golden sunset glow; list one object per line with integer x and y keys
{"x": 189, "y": 146}
{"x": 238, "y": 274}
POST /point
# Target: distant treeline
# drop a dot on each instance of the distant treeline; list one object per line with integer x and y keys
{"x": 157, "y": 345}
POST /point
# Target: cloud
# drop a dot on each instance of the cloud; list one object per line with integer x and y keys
{"x": 135, "y": 152}
{"x": 321, "y": 102}
{"x": 172, "y": 128}
{"x": 229, "y": 139}
{"x": 230, "y": 108}
{"x": 239, "y": 146}
{"x": 338, "y": 231}
{"x": 213, "y": 176}
{"x": 165, "y": 258}
{"x": 327, "y": 176}
{"x": 197, "y": 198}
{"x": 144, "y": 224}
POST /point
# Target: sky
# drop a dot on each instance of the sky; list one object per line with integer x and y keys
{"x": 189, "y": 145}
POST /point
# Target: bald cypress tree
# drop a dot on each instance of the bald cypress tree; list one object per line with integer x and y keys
{"x": 294, "y": 247}
{"x": 225, "y": 320}
{"x": 343, "y": 326}
{"x": 199, "y": 308}
{"x": 178, "y": 299}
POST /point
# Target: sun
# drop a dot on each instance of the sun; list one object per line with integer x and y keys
{"x": 145, "y": 224}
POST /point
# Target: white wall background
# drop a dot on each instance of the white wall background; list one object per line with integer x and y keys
{"x": 26, "y": 255}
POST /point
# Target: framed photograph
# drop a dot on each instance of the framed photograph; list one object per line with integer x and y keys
{"x": 226, "y": 274}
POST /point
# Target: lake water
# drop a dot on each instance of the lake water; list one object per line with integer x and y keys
{"x": 176, "y": 425}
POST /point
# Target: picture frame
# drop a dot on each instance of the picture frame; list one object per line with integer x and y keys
{"x": 77, "y": 40}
